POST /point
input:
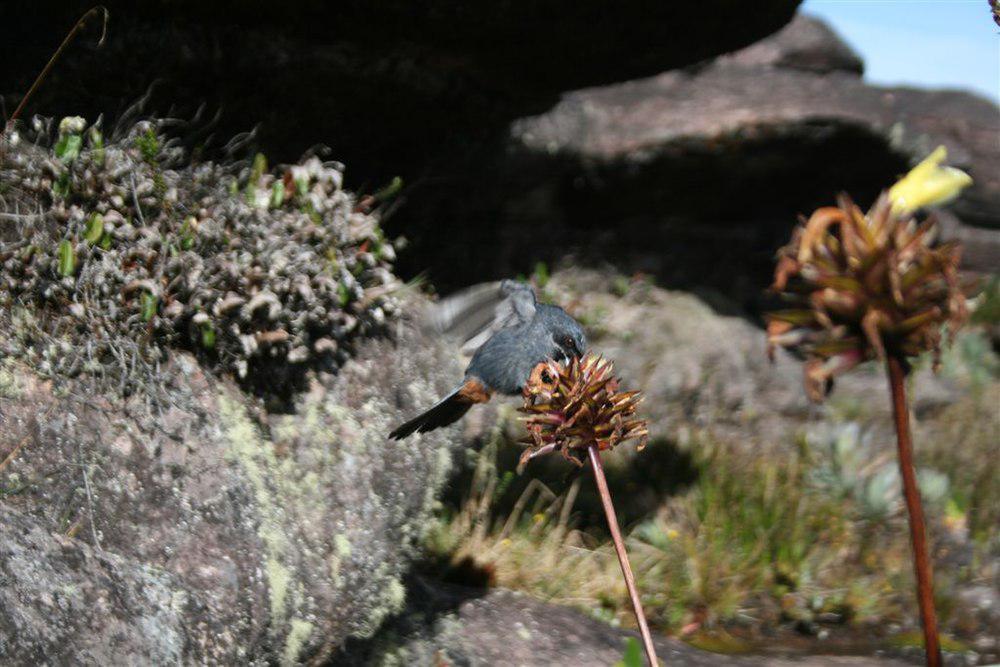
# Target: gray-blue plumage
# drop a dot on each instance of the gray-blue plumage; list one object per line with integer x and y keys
{"x": 505, "y": 360}
{"x": 520, "y": 334}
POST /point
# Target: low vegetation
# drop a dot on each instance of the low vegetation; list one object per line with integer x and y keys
{"x": 813, "y": 541}
{"x": 116, "y": 246}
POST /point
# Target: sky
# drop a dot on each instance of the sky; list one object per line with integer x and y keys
{"x": 925, "y": 43}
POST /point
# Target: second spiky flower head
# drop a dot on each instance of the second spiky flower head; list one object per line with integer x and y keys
{"x": 863, "y": 285}
{"x": 571, "y": 406}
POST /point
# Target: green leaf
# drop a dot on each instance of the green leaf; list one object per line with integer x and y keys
{"x": 343, "y": 294}
{"x": 95, "y": 229}
{"x": 256, "y": 172}
{"x": 542, "y": 274}
{"x": 188, "y": 231}
{"x": 277, "y": 194}
{"x": 61, "y": 186}
{"x": 96, "y": 139}
{"x": 106, "y": 242}
{"x": 68, "y": 147}
{"x": 207, "y": 336}
{"x": 302, "y": 186}
{"x": 258, "y": 168}
{"x": 148, "y": 304}
{"x": 633, "y": 654}
{"x": 67, "y": 258}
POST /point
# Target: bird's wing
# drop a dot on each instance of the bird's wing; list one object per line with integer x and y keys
{"x": 474, "y": 314}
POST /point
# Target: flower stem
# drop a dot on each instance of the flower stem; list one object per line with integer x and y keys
{"x": 616, "y": 537}
{"x": 918, "y": 535}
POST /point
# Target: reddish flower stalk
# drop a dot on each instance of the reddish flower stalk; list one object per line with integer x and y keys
{"x": 578, "y": 410}
{"x": 874, "y": 285}
{"x": 918, "y": 535}
{"x": 616, "y": 537}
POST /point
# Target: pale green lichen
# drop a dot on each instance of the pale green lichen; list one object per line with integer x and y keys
{"x": 395, "y": 596}
{"x": 342, "y": 546}
{"x": 278, "y": 578}
{"x": 321, "y": 445}
{"x": 258, "y": 462}
{"x": 10, "y": 385}
{"x": 297, "y": 638}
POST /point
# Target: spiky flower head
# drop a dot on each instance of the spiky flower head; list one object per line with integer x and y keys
{"x": 863, "y": 285}
{"x": 570, "y": 406}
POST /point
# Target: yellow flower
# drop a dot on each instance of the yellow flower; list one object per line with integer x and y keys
{"x": 927, "y": 184}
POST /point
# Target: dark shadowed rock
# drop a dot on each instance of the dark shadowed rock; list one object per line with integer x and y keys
{"x": 425, "y": 91}
{"x": 805, "y": 43}
{"x": 290, "y": 531}
{"x": 414, "y": 74}
{"x": 723, "y": 108}
{"x": 697, "y": 176}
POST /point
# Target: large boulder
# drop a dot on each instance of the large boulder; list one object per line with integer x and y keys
{"x": 698, "y": 175}
{"x": 187, "y": 524}
{"x": 805, "y": 43}
{"x": 389, "y": 84}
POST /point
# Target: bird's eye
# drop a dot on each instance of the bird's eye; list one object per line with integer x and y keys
{"x": 568, "y": 341}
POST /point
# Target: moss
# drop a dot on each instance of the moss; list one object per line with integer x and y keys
{"x": 916, "y": 639}
{"x": 718, "y": 642}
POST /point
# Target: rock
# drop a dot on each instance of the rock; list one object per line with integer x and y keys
{"x": 56, "y": 594}
{"x": 422, "y": 91}
{"x": 725, "y": 107}
{"x": 697, "y": 176}
{"x": 805, "y": 43}
{"x": 387, "y": 83}
{"x": 706, "y": 373}
{"x": 451, "y": 625}
{"x": 205, "y": 529}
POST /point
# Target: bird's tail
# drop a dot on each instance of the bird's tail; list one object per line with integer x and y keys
{"x": 447, "y": 411}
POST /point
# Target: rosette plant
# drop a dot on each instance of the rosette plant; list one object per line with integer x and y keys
{"x": 578, "y": 410}
{"x": 873, "y": 286}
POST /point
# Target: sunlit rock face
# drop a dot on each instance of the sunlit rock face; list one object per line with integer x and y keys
{"x": 199, "y": 527}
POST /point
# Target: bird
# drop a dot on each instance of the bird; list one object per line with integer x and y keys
{"x": 511, "y": 333}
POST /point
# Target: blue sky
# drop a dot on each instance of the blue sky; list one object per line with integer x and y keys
{"x": 926, "y": 43}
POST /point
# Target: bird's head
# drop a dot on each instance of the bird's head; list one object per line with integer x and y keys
{"x": 568, "y": 336}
